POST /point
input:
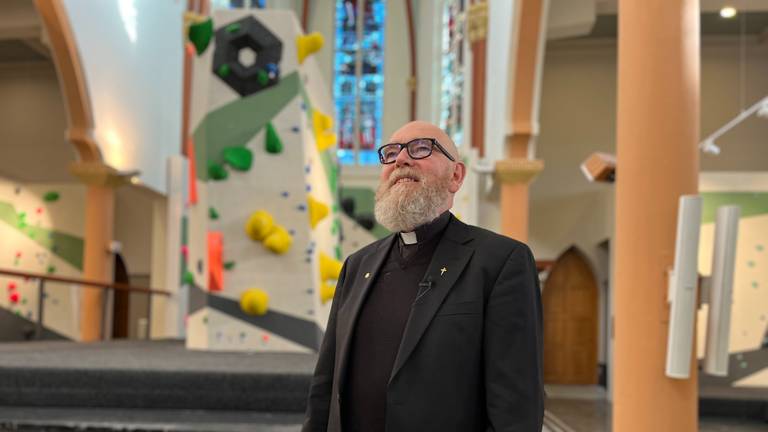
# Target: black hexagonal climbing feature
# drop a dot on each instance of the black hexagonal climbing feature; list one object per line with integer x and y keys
{"x": 247, "y": 56}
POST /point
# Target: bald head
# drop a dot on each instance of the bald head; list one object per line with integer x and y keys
{"x": 422, "y": 129}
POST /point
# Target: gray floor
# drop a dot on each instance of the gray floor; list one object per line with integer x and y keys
{"x": 154, "y": 355}
{"x": 64, "y": 419}
{"x": 582, "y": 415}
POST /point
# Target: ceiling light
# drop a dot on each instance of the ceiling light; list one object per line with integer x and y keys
{"x": 728, "y": 12}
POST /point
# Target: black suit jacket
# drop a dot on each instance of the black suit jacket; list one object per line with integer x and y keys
{"x": 470, "y": 358}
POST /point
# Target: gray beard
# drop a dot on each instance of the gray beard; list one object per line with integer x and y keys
{"x": 403, "y": 207}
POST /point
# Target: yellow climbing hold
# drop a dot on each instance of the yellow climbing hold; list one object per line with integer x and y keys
{"x": 279, "y": 240}
{"x": 321, "y": 122}
{"x": 325, "y": 140}
{"x": 259, "y": 225}
{"x": 254, "y": 301}
{"x": 317, "y": 211}
{"x": 329, "y": 268}
{"x": 309, "y": 44}
{"x": 327, "y": 291}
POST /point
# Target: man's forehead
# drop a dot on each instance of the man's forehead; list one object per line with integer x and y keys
{"x": 418, "y": 130}
{"x": 421, "y": 129}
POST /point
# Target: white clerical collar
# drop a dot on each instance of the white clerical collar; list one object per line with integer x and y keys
{"x": 408, "y": 237}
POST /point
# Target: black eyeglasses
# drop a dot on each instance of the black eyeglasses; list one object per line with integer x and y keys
{"x": 419, "y": 148}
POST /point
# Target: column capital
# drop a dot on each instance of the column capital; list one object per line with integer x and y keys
{"x": 99, "y": 174}
{"x": 517, "y": 170}
{"x": 477, "y": 21}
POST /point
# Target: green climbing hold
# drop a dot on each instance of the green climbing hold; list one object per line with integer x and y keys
{"x": 205, "y": 320}
{"x": 262, "y": 77}
{"x": 233, "y": 28}
{"x": 229, "y": 265}
{"x": 200, "y": 35}
{"x": 212, "y": 213}
{"x": 51, "y": 197}
{"x": 188, "y": 278}
{"x": 337, "y": 249}
{"x": 239, "y": 158}
{"x": 223, "y": 71}
{"x": 274, "y": 144}
{"x": 51, "y": 269}
{"x": 217, "y": 171}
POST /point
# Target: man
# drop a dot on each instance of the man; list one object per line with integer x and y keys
{"x": 436, "y": 327}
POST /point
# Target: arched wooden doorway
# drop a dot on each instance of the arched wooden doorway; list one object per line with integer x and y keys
{"x": 571, "y": 319}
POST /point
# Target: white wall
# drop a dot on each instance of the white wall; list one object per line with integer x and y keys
{"x": 134, "y": 79}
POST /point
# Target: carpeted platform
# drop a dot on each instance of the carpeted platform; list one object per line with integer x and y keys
{"x": 154, "y": 374}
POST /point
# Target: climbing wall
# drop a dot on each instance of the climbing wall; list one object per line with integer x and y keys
{"x": 41, "y": 227}
{"x": 266, "y": 177}
{"x": 748, "y": 340}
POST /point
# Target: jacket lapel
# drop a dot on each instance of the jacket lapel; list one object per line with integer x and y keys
{"x": 370, "y": 264}
{"x": 448, "y": 262}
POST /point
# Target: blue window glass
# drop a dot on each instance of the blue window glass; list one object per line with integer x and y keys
{"x": 359, "y": 79}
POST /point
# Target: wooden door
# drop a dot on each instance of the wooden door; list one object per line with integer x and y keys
{"x": 570, "y": 306}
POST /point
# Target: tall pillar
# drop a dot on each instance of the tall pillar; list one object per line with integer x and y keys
{"x": 478, "y": 32}
{"x": 97, "y": 259}
{"x": 516, "y": 171}
{"x": 657, "y": 136}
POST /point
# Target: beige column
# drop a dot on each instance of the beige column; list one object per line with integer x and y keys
{"x": 97, "y": 260}
{"x": 518, "y": 169}
{"x": 101, "y": 181}
{"x": 477, "y": 20}
{"x": 657, "y": 161}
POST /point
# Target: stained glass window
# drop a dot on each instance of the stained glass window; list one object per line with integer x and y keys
{"x": 359, "y": 79}
{"x": 452, "y": 66}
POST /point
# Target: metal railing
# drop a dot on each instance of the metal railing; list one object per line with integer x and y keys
{"x": 43, "y": 278}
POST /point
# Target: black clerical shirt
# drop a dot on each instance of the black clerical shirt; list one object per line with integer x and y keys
{"x": 380, "y": 324}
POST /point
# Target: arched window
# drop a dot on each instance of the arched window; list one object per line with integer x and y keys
{"x": 359, "y": 79}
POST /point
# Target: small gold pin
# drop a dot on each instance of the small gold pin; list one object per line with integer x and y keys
{"x": 443, "y": 270}
{"x": 367, "y": 275}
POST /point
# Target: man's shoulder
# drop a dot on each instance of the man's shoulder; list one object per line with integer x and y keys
{"x": 494, "y": 242}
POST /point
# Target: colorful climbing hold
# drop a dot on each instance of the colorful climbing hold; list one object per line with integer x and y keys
{"x": 223, "y": 70}
{"x": 329, "y": 268}
{"x": 259, "y": 225}
{"x": 325, "y": 140}
{"x": 262, "y": 77}
{"x": 239, "y": 158}
{"x": 188, "y": 278}
{"x": 327, "y": 291}
{"x": 229, "y": 265}
{"x": 317, "y": 211}
{"x": 13, "y": 297}
{"x": 273, "y": 143}
{"x": 51, "y": 269}
{"x": 217, "y": 171}
{"x": 212, "y": 213}
{"x": 309, "y": 44}
{"x": 278, "y": 241}
{"x": 200, "y": 34}
{"x": 254, "y": 301}
{"x": 51, "y": 196}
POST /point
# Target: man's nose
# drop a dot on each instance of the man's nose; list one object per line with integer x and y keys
{"x": 403, "y": 158}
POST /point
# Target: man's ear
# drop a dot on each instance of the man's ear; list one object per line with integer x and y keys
{"x": 459, "y": 172}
